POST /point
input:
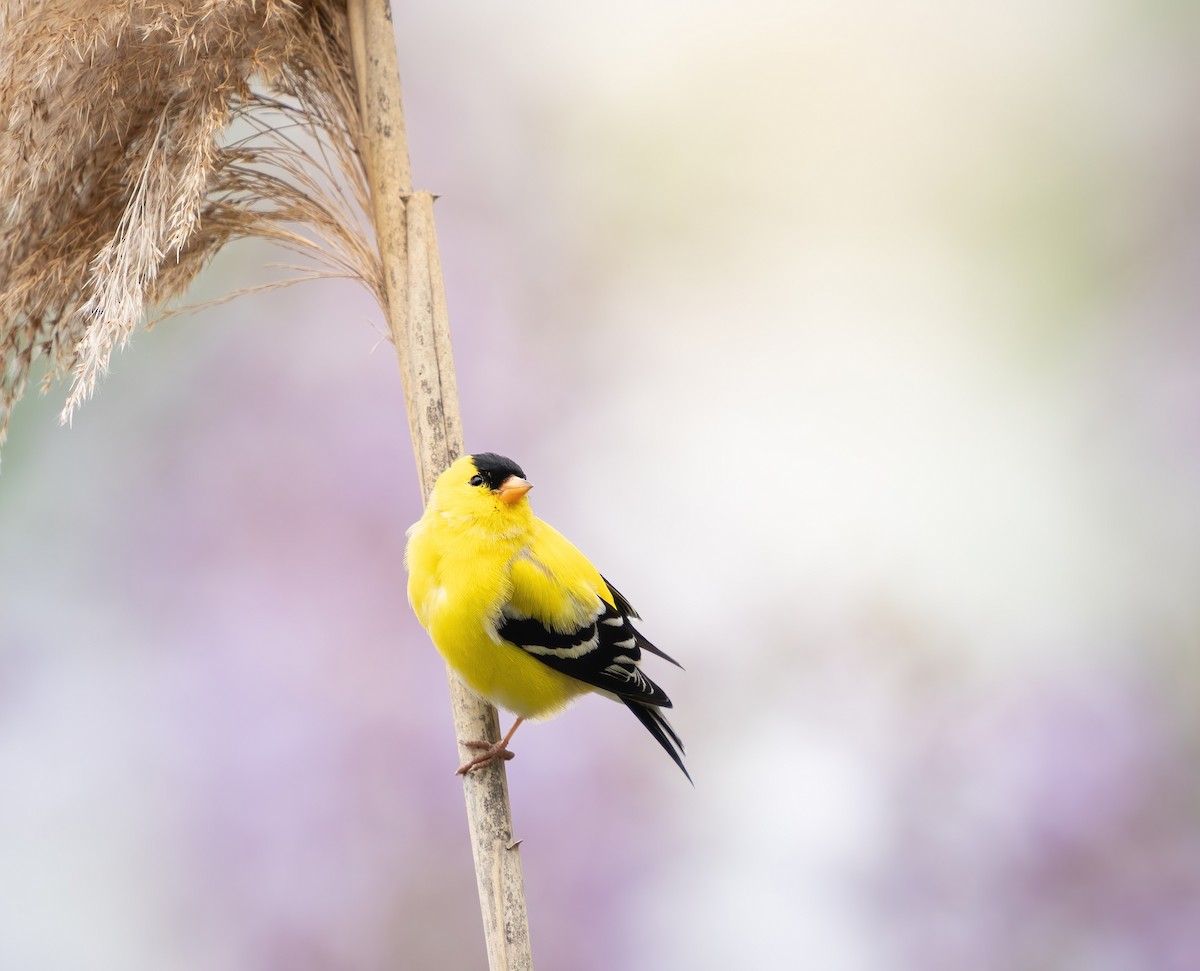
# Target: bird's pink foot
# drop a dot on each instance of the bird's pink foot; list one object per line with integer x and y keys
{"x": 490, "y": 753}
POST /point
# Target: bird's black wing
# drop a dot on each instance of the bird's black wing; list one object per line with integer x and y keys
{"x": 605, "y": 653}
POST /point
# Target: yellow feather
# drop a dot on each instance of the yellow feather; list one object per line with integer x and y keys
{"x": 467, "y": 557}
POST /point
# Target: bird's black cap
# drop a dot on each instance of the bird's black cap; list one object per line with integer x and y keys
{"x": 495, "y": 468}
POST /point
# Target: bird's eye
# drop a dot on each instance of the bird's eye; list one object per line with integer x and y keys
{"x": 475, "y": 480}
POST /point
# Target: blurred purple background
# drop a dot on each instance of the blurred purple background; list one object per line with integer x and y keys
{"x": 856, "y": 343}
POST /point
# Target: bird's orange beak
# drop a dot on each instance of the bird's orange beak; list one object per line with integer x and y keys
{"x": 513, "y": 488}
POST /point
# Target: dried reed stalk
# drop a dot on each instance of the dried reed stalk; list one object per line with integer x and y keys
{"x": 420, "y": 326}
{"x": 120, "y": 180}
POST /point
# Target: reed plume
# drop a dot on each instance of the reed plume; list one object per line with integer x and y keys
{"x": 138, "y": 137}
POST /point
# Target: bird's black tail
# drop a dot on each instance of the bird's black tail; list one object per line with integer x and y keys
{"x": 658, "y": 726}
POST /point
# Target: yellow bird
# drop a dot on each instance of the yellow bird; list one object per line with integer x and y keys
{"x": 518, "y": 612}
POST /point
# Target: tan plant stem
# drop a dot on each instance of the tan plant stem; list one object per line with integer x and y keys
{"x": 420, "y": 329}
{"x": 385, "y": 147}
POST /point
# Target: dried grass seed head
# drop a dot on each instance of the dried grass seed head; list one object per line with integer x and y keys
{"x": 118, "y": 178}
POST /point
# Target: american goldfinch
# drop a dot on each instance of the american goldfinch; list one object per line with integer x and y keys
{"x": 518, "y": 612}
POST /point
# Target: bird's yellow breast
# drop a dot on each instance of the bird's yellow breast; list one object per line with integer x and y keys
{"x": 458, "y": 585}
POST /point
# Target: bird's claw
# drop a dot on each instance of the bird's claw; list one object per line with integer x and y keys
{"x": 492, "y": 752}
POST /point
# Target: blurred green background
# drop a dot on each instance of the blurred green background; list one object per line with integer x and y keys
{"x": 856, "y": 342}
